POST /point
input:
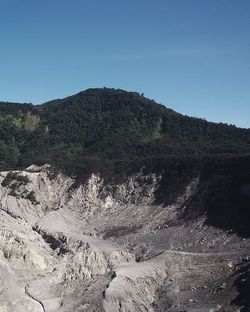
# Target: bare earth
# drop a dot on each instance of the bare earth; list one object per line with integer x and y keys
{"x": 104, "y": 247}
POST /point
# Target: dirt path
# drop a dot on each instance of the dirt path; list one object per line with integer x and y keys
{"x": 32, "y": 298}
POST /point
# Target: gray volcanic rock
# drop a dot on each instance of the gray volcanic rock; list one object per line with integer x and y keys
{"x": 109, "y": 247}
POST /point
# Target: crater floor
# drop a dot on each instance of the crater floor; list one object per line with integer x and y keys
{"x": 106, "y": 247}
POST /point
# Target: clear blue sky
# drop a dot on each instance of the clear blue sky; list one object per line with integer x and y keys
{"x": 191, "y": 55}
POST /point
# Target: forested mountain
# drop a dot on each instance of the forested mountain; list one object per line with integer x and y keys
{"x": 142, "y": 208}
{"x": 111, "y": 130}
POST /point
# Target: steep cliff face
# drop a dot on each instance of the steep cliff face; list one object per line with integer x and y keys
{"x": 105, "y": 246}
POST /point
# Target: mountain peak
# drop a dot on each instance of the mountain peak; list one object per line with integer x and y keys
{"x": 110, "y": 129}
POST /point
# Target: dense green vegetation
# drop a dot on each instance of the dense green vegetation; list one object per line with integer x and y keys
{"x": 115, "y": 132}
{"x": 110, "y": 130}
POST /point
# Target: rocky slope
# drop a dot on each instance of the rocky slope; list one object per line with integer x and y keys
{"x": 109, "y": 246}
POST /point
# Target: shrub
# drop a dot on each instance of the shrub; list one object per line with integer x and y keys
{"x": 11, "y": 176}
{"x": 14, "y": 176}
{"x": 31, "y": 196}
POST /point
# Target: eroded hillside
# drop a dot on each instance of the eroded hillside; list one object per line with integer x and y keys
{"x": 141, "y": 208}
{"x": 109, "y": 246}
